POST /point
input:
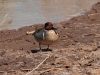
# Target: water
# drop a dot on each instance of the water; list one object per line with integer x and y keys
{"x": 18, "y": 13}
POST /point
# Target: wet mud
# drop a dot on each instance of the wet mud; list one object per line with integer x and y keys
{"x": 77, "y": 52}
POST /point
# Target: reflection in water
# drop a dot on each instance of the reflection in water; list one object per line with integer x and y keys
{"x": 19, "y": 13}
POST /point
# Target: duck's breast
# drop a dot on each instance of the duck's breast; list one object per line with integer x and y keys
{"x": 51, "y": 35}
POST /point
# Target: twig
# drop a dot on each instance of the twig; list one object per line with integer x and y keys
{"x": 93, "y": 14}
{"x": 30, "y": 73}
{"x": 30, "y": 32}
{"x": 26, "y": 69}
{"x": 50, "y": 70}
{"x": 46, "y": 70}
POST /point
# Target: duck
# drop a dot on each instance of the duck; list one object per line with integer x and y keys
{"x": 47, "y": 35}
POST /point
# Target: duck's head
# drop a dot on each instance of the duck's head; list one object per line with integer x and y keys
{"x": 49, "y": 26}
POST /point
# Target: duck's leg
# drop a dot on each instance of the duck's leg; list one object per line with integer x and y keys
{"x": 40, "y": 46}
{"x": 48, "y": 47}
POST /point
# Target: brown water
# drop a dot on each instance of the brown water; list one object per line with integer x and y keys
{"x": 18, "y": 13}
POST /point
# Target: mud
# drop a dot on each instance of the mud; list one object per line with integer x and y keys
{"x": 77, "y": 52}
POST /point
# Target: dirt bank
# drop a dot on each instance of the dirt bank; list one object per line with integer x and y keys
{"x": 77, "y": 51}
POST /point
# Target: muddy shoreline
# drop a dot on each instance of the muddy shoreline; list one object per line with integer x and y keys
{"x": 76, "y": 52}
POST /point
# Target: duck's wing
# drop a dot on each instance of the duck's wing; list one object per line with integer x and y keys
{"x": 40, "y": 34}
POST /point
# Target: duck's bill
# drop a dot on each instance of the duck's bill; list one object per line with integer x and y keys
{"x": 54, "y": 28}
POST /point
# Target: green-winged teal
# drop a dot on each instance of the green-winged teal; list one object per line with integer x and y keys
{"x": 46, "y": 35}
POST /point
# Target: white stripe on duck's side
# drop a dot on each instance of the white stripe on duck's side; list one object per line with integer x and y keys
{"x": 43, "y": 36}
